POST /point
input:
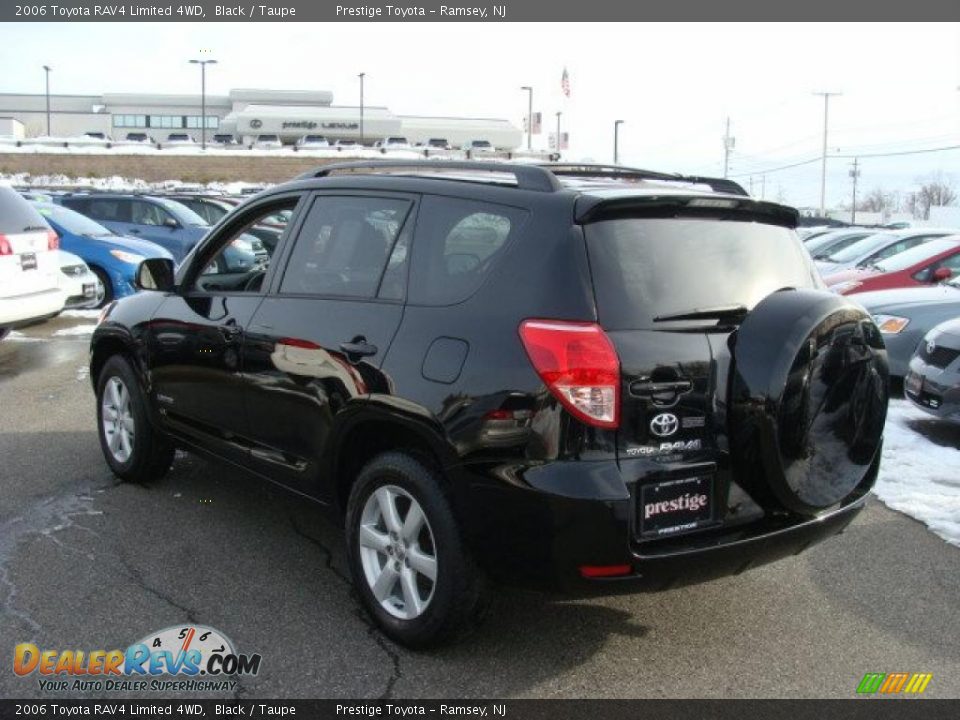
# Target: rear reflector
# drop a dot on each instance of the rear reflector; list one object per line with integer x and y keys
{"x": 598, "y": 571}
{"x": 579, "y": 365}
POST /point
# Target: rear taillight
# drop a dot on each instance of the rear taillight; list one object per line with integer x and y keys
{"x": 53, "y": 240}
{"x": 579, "y": 365}
{"x": 5, "y": 247}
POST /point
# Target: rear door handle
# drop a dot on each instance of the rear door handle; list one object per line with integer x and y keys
{"x": 358, "y": 348}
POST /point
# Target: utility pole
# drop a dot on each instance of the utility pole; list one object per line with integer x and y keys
{"x": 47, "y": 70}
{"x": 751, "y": 185}
{"x": 823, "y": 167}
{"x": 559, "y": 113}
{"x": 763, "y": 187}
{"x": 616, "y": 141}
{"x": 728, "y": 143}
{"x": 854, "y": 173}
{"x": 361, "y": 76}
{"x": 203, "y": 99}
{"x": 529, "y": 116}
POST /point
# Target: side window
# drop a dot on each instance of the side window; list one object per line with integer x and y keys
{"x": 240, "y": 259}
{"x": 110, "y": 209}
{"x": 148, "y": 213}
{"x": 343, "y": 246}
{"x": 457, "y": 243}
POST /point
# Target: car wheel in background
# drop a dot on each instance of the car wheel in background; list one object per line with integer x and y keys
{"x": 133, "y": 449}
{"x": 105, "y": 291}
{"x": 406, "y": 556}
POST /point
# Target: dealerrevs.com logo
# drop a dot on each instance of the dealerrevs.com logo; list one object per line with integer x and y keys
{"x": 196, "y": 657}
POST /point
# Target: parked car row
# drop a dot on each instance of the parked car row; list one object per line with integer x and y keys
{"x": 909, "y": 280}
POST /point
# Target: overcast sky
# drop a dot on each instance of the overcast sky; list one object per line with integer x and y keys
{"x": 674, "y": 85}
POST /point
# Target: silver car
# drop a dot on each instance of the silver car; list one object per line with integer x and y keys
{"x": 933, "y": 382}
{"x": 874, "y": 248}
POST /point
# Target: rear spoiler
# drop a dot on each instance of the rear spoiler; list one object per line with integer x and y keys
{"x": 591, "y": 208}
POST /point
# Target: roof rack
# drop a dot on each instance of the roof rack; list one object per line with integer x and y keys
{"x": 614, "y": 172}
{"x": 541, "y": 177}
{"x": 529, "y": 177}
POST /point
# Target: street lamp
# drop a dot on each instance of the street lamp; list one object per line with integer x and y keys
{"x": 529, "y": 116}
{"x": 203, "y": 99}
{"x": 559, "y": 113}
{"x": 616, "y": 141}
{"x": 823, "y": 164}
{"x": 47, "y": 70}
{"x": 361, "y": 76}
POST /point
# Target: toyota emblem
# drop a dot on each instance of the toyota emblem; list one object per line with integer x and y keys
{"x": 664, "y": 424}
{"x": 931, "y": 346}
{"x": 256, "y": 124}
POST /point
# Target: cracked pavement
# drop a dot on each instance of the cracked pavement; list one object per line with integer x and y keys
{"x": 86, "y": 563}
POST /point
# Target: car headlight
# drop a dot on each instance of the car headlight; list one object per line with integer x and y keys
{"x": 891, "y": 324}
{"x": 845, "y": 287}
{"x": 127, "y": 257}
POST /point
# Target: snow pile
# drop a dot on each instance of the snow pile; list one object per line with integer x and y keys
{"x": 75, "y": 330}
{"x": 918, "y": 477}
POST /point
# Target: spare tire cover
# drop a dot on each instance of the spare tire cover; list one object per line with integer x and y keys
{"x": 807, "y": 398}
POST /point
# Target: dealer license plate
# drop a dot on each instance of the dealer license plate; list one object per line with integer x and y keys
{"x": 676, "y": 506}
{"x": 28, "y": 261}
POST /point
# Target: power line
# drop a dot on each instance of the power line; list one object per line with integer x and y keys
{"x": 848, "y": 156}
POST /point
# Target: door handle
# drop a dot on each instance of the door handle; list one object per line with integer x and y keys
{"x": 134, "y": 231}
{"x": 358, "y": 348}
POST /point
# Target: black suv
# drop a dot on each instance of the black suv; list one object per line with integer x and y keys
{"x": 577, "y": 377}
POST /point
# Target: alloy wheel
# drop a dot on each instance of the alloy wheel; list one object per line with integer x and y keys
{"x": 117, "y": 419}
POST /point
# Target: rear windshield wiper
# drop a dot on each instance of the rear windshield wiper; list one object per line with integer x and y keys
{"x": 721, "y": 312}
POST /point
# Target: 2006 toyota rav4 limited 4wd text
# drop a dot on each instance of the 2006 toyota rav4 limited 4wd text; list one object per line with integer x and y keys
{"x": 576, "y": 377}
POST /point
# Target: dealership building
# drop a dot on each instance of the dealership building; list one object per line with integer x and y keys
{"x": 243, "y": 113}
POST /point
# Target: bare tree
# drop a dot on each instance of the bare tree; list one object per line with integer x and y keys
{"x": 877, "y": 200}
{"x": 935, "y": 191}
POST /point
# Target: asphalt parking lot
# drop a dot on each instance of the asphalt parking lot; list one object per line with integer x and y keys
{"x": 89, "y": 563}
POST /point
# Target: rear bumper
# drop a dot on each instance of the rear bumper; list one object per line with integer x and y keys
{"x": 529, "y": 537}
{"x": 25, "y": 308}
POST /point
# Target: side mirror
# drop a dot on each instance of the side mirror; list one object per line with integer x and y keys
{"x": 171, "y": 223}
{"x": 941, "y": 274}
{"x": 155, "y": 274}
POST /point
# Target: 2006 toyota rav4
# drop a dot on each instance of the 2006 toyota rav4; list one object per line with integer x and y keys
{"x": 571, "y": 376}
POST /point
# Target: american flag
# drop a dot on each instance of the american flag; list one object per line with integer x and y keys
{"x": 565, "y": 83}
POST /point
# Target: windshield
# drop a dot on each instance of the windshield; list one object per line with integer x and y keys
{"x": 861, "y": 248}
{"x": 918, "y": 254}
{"x": 73, "y": 222}
{"x": 648, "y": 268}
{"x": 181, "y": 212}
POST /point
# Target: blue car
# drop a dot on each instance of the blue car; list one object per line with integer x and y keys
{"x": 167, "y": 223}
{"x": 112, "y": 257}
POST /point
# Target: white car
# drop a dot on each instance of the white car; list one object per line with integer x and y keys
{"x": 29, "y": 265}
{"x": 81, "y": 286}
{"x": 266, "y": 142}
{"x": 312, "y": 141}
{"x": 178, "y": 139}
{"x": 393, "y": 143}
{"x": 347, "y": 145}
{"x": 479, "y": 146}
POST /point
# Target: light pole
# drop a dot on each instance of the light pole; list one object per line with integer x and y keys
{"x": 559, "y": 113}
{"x": 203, "y": 99}
{"x": 823, "y": 165}
{"x": 361, "y": 76}
{"x": 47, "y": 70}
{"x": 616, "y": 141}
{"x": 529, "y": 116}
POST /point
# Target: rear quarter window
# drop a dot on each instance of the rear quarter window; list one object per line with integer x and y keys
{"x": 644, "y": 268}
{"x": 16, "y": 214}
{"x": 458, "y": 242}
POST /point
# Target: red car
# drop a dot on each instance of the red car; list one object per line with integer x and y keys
{"x": 927, "y": 264}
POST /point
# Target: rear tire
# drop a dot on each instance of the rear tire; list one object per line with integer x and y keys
{"x": 387, "y": 542}
{"x": 133, "y": 449}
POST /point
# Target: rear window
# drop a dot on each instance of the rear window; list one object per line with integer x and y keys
{"x": 17, "y": 215}
{"x": 644, "y": 268}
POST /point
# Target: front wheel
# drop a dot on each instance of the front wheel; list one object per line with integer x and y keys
{"x": 133, "y": 449}
{"x": 406, "y": 555}
{"x": 105, "y": 291}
